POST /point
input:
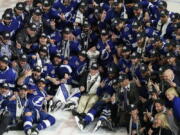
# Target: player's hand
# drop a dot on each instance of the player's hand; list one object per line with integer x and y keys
{"x": 62, "y": 16}
{"x": 150, "y": 132}
{"x": 171, "y": 83}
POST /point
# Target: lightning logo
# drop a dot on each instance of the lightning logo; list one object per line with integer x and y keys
{"x": 38, "y": 101}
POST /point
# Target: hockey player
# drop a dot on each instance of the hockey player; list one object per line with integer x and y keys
{"x": 66, "y": 93}
{"x": 35, "y": 115}
{"x": 6, "y": 44}
{"x": 65, "y": 11}
{"x": 19, "y": 13}
{"x": 5, "y": 95}
{"x": 163, "y": 25}
{"x": 27, "y": 36}
{"x": 68, "y": 46}
{"x": 21, "y": 65}
{"x": 124, "y": 62}
{"x": 85, "y": 36}
{"x": 9, "y": 23}
{"x": 117, "y": 10}
{"x": 79, "y": 65}
{"x": 106, "y": 48}
{"x": 16, "y": 107}
{"x": 35, "y": 18}
{"x": 4, "y": 115}
{"x": 30, "y": 77}
{"x": 7, "y": 74}
{"x": 79, "y": 17}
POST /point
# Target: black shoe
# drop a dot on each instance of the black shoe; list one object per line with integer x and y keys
{"x": 35, "y": 131}
{"x": 80, "y": 122}
{"x": 69, "y": 106}
{"x": 28, "y": 132}
{"x": 50, "y": 106}
{"x": 75, "y": 113}
{"x": 82, "y": 115}
{"x": 107, "y": 124}
{"x": 56, "y": 106}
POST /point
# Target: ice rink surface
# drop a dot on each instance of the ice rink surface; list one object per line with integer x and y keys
{"x": 65, "y": 122}
{"x": 66, "y": 125}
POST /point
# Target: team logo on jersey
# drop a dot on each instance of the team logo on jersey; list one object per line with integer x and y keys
{"x": 38, "y": 101}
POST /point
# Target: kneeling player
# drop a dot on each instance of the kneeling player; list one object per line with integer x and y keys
{"x": 35, "y": 115}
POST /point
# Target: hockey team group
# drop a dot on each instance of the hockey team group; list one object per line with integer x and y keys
{"x": 115, "y": 63}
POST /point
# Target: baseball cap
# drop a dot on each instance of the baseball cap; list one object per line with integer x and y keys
{"x": 67, "y": 30}
{"x": 43, "y": 35}
{"x": 23, "y": 57}
{"x": 122, "y": 77}
{"x": 46, "y": 3}
{"x": 37, "y": 68}
{"x": 44, "y": 49}
{"x": 104, "y": 32}
{"x": 6, "y": 35}
{"x": 37, "y": 11}
{"x": 163, "y": 13}
{"x": 94, "y": 66}
{"x": 126, "y": 49}
{"x": 5, "y": 85}
{"x": 162, "y": 4}
{"x": 132, "y": 107}
{"x": 136, "y": 7}
{"x": 42, "y": 80}
{"x": 23, "y": 87}
{"x": 7, "y": 16}
{"x": 83, "y": 53}
{"x": 20, "y": 6}
{"x": 4, "y": 59}
{"x": 32, "y": 26}
{"x": 134, "y": 55}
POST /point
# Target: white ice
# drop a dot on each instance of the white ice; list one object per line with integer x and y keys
{"x": 66, "y": 125}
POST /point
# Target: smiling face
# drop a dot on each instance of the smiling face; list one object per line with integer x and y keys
{"x": 4, "y": 91}
{"x": 41, "y": 85}
{"x": 36, "y": 18}
{"x": 3, "y": 65}
{"x": 94, "y": 71}
{"x": 170, "y": 96}
{"x": 18, "y": 12}
{"x": 43, "y": 40}
{"x": 7, "y": 21}
{"x": 164, "y": 19}
{"x": 157, "y": 122}
{"x": 22, "y": 93}
{"x": 159, "y": 107}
